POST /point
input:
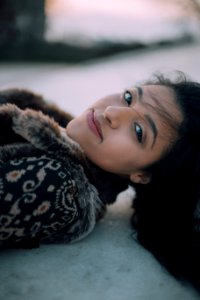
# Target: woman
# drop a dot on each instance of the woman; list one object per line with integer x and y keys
{"x": 147, "y": 136}
{"x": 151, "y": 135}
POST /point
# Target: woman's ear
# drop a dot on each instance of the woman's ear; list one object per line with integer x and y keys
{"x": 142, "y": 177}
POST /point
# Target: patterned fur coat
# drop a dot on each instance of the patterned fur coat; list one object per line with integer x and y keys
{"x": 49, "y": 191}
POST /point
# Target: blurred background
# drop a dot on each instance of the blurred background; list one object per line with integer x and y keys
{"x": 83, "y": 49}
{"x": 78, "y": 30}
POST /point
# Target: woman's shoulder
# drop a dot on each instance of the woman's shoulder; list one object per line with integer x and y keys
{"x": 26, "y": 98}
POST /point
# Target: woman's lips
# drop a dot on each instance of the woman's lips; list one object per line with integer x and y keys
{"x": 94, "y": 124}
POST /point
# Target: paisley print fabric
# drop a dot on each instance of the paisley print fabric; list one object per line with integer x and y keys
{"x": 38, "y": 197}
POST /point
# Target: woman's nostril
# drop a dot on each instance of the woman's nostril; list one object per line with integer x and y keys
{"x": 111, "y": 114}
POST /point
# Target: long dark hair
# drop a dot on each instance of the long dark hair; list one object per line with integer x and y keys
{"x": 165, "y": 207}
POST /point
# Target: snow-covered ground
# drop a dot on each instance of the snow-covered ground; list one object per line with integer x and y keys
{"x": 74, "y": 87}
{"x": 109, "y": 264}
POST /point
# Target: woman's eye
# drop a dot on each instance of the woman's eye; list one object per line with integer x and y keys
{"x": 139, "y": 132}
{"x": 128, "y": 97}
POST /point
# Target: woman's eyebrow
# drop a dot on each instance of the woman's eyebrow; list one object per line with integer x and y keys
{"x": 140, "y": 92}
{"x": 153, "y": 127}
{"x": 148, "y": 118}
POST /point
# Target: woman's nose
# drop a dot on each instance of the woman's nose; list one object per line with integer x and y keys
{"x": 115, "y": 115}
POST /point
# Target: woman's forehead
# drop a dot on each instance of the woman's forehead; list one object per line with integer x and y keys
{"x": 162, "y": 99}
{"x": 159, "y": 93}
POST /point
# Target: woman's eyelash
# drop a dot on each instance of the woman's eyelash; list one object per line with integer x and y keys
{"x": 139, "y": 132}
{"x": 128, "y": 97}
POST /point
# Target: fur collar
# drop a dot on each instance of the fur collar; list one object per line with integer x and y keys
{"x": 37, "y": 132}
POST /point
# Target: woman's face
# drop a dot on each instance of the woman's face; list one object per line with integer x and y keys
{"x": 124, "y": 133}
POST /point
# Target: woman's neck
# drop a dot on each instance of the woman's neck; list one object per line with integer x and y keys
{"x": 109, "y": 185}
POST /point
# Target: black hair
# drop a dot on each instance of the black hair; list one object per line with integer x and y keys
{"x": 165, "y": 207}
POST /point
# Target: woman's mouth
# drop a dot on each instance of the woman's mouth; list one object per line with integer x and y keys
{"x": 94, "y": 124}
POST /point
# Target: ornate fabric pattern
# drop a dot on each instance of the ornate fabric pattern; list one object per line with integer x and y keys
{"x": 38, "y": 197}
